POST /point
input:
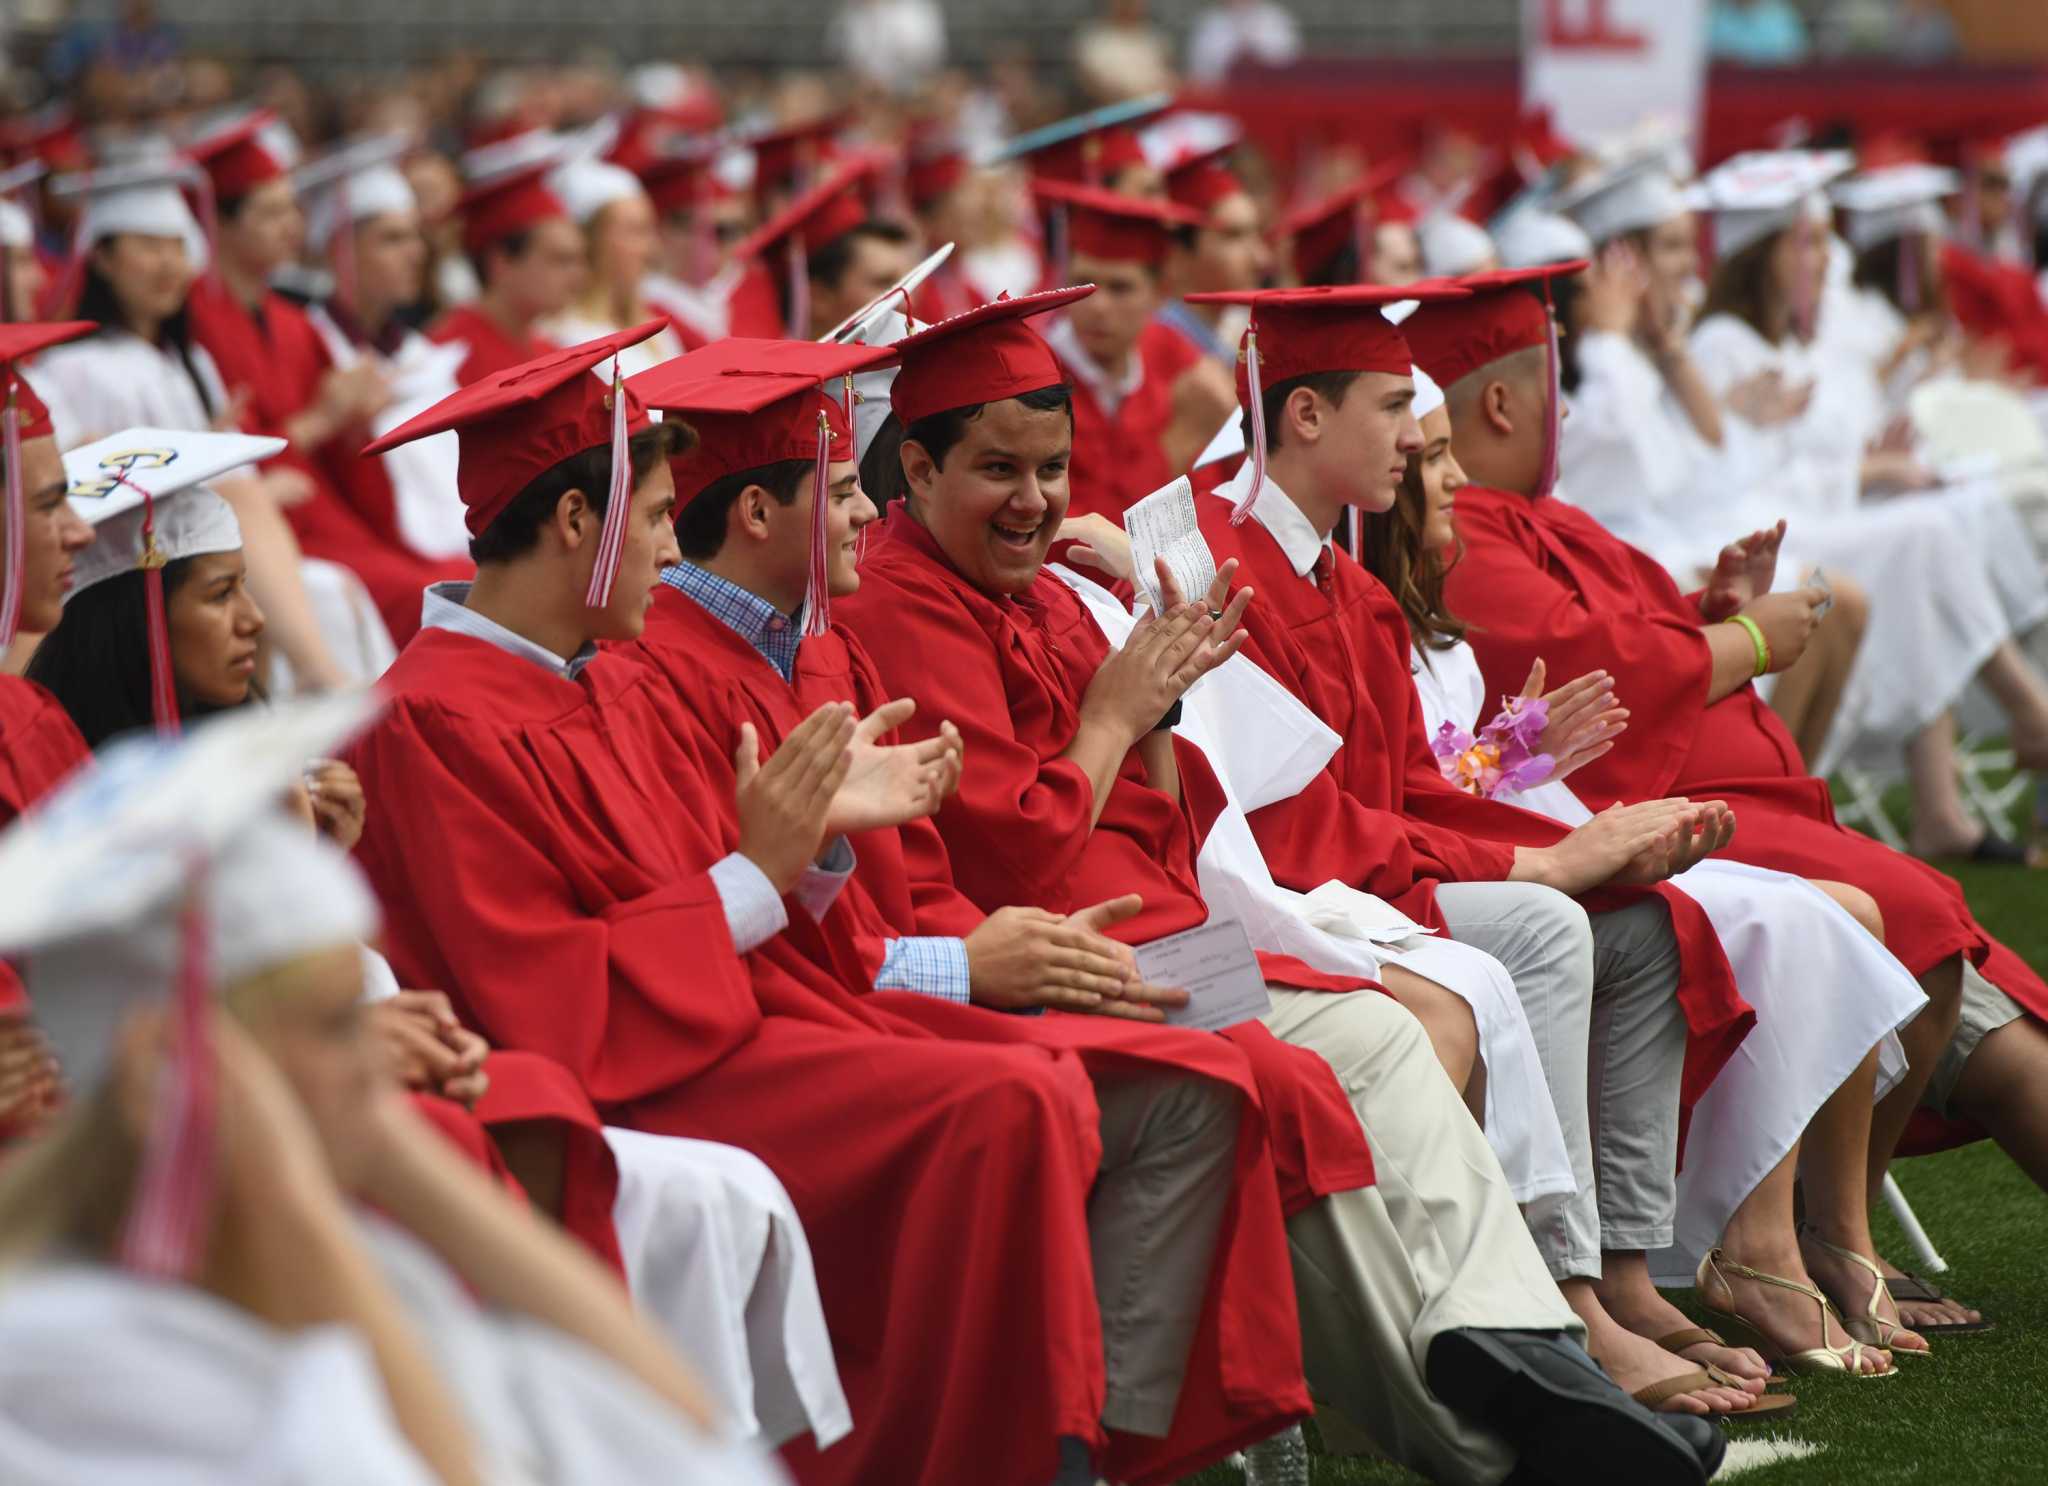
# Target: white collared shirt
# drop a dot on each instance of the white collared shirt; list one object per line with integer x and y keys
{"x": 1109, "y": 392}
{"x": 1276, "y": 511}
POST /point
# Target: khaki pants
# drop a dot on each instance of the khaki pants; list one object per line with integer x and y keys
{"x": 1436, "y": 1243}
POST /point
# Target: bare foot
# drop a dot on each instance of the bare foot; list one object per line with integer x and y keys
{"x": 1950, "y": 1312}
{"x": 1789, "y": 1321}
{"x": 1851, "y": 1288}
{"x": 1636, "y": 1364}
{"x": 1650, "y": 1315}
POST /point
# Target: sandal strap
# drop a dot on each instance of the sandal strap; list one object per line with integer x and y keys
{"x": 1912, "y": 1287}
{"x": 1692, "y": 1336}
{"x": 1670, "y": 1388}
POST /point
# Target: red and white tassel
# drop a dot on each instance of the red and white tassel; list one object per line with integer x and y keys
{"x": 17, "y": 516}
{"x": 818, "y": 587}
{"x": 1255, "y": 414}
{"x": 1553, "y": 423}
{"x": 163, "y": 686}
{"x": 167, "y": 1227}
{"x": 611, "y": 537}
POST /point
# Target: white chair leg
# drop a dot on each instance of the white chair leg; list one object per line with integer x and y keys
{"x": 1915, "y": 1234}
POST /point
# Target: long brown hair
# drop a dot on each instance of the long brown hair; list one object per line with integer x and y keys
{"x": 1741, "y": 285}
{"x": 1391, "y": 550}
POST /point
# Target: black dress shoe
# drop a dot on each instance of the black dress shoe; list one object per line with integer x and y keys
{"x": 1569, "y": 1423}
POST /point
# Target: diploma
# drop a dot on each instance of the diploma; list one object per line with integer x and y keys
{"x": 1163, "y": 524}
{"x": 1215, "y": 965}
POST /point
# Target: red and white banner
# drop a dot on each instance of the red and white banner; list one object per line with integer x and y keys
{"x": 1604, "y": 67}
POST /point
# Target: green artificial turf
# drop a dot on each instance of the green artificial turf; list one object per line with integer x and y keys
{"x": 1975, "y": 1414}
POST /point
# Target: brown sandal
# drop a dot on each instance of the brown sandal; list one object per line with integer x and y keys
{"x": 1698, "y": 1336}
{"x": 1782, "y": 1405}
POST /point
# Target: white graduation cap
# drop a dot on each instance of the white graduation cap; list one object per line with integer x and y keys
{"x": 143, "y": 475}
{"x": 587, "y": 186}
{"x": 880, "y": 322}
{"x": 145, "y": 197}
{"x": 1765, "y": 191}
{"x": 522, "y": 151}
{"x": 158, "y": 874}
{"x": 1532, "y": 237}
{"x": 2026, "y": 159}
{"x": 1633, "y": 195}
{"x": 353, "y": 183}
{"x": 1453, "y": 245}
{"x": 1879, "y": 205}
{"x": 17, "y": 226}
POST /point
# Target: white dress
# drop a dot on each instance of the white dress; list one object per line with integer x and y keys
{"x": 1264, "y": 746}
{"x": 1824, "y": 992}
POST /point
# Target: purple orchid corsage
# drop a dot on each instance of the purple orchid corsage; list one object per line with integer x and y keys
{"x": 1503, "y": 755}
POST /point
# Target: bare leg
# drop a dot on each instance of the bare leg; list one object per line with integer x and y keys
{"x": 1923, "y": 1039}
{"x": 1634, "y": 1301}
{"x": 1942, "y": 825}
{"x": 1445, "y": 1017}
{"x": 273, "y": 556}
{"x": 2022, "y": 693}
{"x": 1834, "y": 1180}
{"x": 2001, "y": 1088}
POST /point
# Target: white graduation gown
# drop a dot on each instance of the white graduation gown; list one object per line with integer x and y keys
{"x": 1631, "y": 458}
{"x": 1264, "y": 746}
{"x": 118, "y": 1381}
{"x": 113, "y": 380}
{"x": 545, "y": 1408}
{"x": 1823, "y": 989}
{"x": 716, "y": 1257}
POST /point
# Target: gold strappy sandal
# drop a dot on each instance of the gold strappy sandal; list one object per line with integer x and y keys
{"x": 1847, "y": 1358}
{"x": 1870, "y": 1328}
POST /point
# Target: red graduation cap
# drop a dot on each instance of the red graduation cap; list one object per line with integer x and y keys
{"x": 515, "y": 426}
{"x": 1451, "y": 340}
{"x": 23, "y": 417}
{"x": 1202, "y": 182}
{"x": 1123, "y": 229}
{"x": 682, "y": 180}
{"x": 932, "y": 175}
{"x": 1299, "y": 332}
{"x": 827, "y": 211}
{"x": 1318, "y": 232}
{"x": 985, "y": 354}
{"x": 757, "y": 402}
{"x": 238, "y": 159}
{"x": 505, "y": 205}
{"x": 792, "y": 156}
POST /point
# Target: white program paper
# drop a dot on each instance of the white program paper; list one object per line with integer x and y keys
{"x": 1163, "y": 524}
{"x": 1216, "y": 967}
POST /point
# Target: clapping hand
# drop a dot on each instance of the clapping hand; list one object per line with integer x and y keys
{"x": 887, "y": 784}
{"x": 1583, "y": 719}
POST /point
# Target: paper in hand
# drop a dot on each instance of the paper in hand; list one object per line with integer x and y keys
{"x": 1163, "y": 524}
{"x": 1215, "y": 965}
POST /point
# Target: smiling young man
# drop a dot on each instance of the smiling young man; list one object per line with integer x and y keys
{"x": 1144, "y": 399}
{"x": 1076, "y": 789}
{"x": 741, "y": 629}
{"x": 544, "y": 849}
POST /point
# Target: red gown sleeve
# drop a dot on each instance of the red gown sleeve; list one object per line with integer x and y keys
{"x": 491, "y": 898}
{"x": 1519, "y": 610}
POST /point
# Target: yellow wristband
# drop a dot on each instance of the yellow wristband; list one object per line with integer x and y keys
{"x": 1756, "y": 638}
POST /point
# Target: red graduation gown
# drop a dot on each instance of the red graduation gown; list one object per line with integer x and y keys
{"x": 491, "y": 350}
{"x": 1118, "y": 459}
{"x": 1381, "y": 816}
{"x": 541, "y": 846}
{"x": 39, "y": 747}
{"x": 1244, "y": 1379}
{"x": 1544, "y": 578}
{"x": 1009, "y": 673}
